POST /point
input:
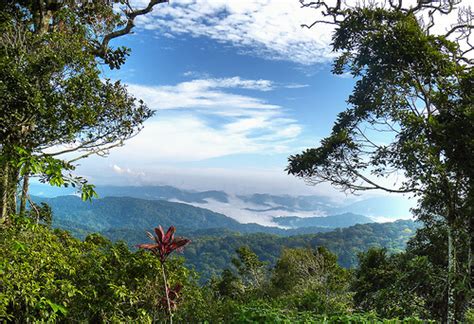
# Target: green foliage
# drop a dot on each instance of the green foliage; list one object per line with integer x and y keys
{"x": 387, "y": 284}
{"x": 311, "y": 280}
{"x": 213, "y": 248}
{"x": 49, "y": 275}
{"x": 228, "y": 285}
{"x": 415, "y": 87}
{"x": 469, "y": 316}
{"x": 251, "y": 270}
{"x": 40, "y": 213}
{"x": 52, "y": 93}
{"x": 210, "y": 254}
{"x": 52, "y": 171}
{"x": 430, "y": 245}
{"x": 213, "y": 234}
{"x": 262, "y": 312}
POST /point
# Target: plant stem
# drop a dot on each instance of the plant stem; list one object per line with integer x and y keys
{"x": 166, "y": 293}
{"x": 24, "y": 193}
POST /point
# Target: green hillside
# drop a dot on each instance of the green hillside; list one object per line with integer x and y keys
{"x": 216, "y": 236}
{"x": 117, "y": 213}
{"x": 212, "y": 250}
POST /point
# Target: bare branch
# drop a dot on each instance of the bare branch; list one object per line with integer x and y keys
{"x": 33, "y": 205}
{"x": 102, "y": 151}
{"x": 131, "y": 15}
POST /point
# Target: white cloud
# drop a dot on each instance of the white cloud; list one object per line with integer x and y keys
{"x": 182, "y": 138}
{"x": 233, "y": 180}
{"x": 204, "y": 93}
{"x": 268, "y": 28}
{"x": 296, "y": 86}
{"x": 126, "y": 171}
{"x": 205, "y": 118}
{"x": 244, "y": 212}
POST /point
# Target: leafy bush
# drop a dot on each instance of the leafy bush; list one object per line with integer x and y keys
{"x": 49, "y": 275}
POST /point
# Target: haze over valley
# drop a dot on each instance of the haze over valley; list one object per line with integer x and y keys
{"x": 262, "y": 209}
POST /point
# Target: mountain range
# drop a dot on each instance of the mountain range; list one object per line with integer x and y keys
{"x": 215, "y": 236}
{"x": 256, "y": 208}
{"x": 113, "y": 213}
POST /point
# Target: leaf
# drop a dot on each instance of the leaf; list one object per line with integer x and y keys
{"x": 18, "y": 246}
{"x": 57, "y": 308}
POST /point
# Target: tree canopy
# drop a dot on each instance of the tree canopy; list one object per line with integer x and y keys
{"x": 411, "y": 114}
{"x": 56, "y": 105}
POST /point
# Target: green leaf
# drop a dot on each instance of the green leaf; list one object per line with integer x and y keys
{"x": 57, "y": 308}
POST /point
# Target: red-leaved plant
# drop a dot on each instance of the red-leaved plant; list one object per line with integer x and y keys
{"x": 173, "y": 296}
{"x": 163, "y": 245}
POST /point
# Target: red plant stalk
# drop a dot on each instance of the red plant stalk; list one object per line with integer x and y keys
{"x": 162, "y": 246}
{"x": 166, "y": 293}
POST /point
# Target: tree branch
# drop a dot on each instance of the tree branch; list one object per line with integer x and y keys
{"x": 101, "y": 51}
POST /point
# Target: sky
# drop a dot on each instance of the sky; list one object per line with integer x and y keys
{"x": 236, "y": 86}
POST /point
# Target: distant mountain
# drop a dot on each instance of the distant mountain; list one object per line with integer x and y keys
{"x": 143, "y": 192}
{"x": 258, "y": 208}
{"x": 163, "y": 193}
{"x": 118, "y": 213}
{"x": 393, "y": 207}
{"x": 343, "y": 220}
{"x": 288, "y": 203}
{"x": 127, "y": 212}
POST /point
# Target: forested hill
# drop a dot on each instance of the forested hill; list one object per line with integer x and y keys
{"x": 212, "y": 250}
{"x": 209, "y": 254}
{"x": 342, "y": 220}
{"x": 216, "y": 237}
{"x": 132, "y": 213}
{"x": 116, "y": 213}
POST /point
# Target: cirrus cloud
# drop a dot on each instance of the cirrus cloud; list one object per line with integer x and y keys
{"x": 270, "y": 29}
{"x": 206, "y": 118}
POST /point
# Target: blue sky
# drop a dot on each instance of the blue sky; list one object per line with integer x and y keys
{"x": 237, "y": 87}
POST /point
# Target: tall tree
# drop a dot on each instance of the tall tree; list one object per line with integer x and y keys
{"x": 56, "y": 108}
{"x": 252, "y": 271}
{"x": 416, "y": 88}
{"x": 313, "y": 280}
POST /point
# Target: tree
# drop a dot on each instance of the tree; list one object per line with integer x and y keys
{"x": 415, "y": 88}
{"x": 252, "y": 271}
{"x": 56, "y": 109}
{"x": 229, "y": 285}
{"x": 393, "y": 285}
{"x": 430, "y": 243}
{"x": 312, "y": 280}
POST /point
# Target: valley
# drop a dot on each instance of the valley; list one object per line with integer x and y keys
{"x": 215, "y": 236}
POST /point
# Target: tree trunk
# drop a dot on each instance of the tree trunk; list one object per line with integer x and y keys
{"x": 6, "y": 175}
{"x": 469, "y": 227}
{"x": 24, "y": 193}
{"x": 451, "y": 303}
{"x": 14, "y": 181}
{"x": 470, "y": 279}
